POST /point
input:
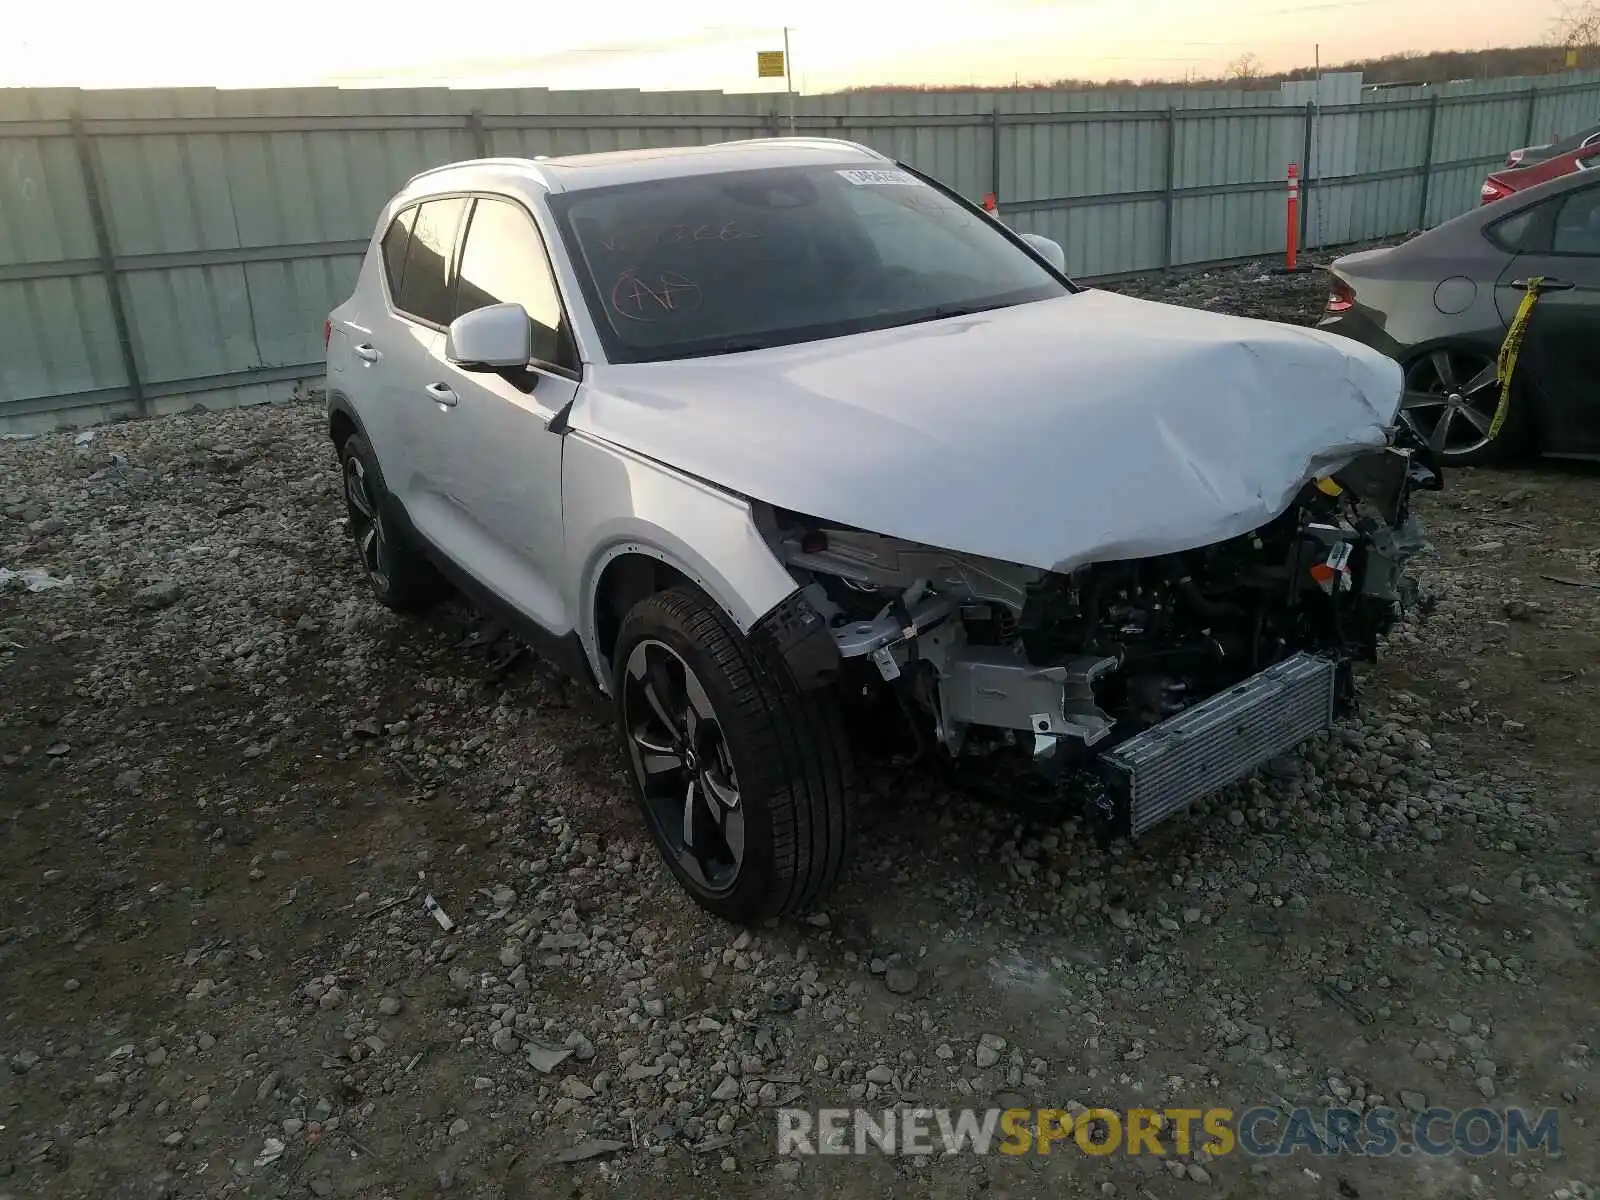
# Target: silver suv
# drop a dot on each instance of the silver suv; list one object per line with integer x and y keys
{"x": 767, "y": 439}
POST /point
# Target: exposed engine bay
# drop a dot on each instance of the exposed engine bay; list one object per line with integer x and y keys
{"x": 1171, "y": 675}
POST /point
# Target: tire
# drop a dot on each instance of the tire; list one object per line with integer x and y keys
{"x": 1450, "y": 372}
{"x": 401, "y": 577}
{"x": 780, "y": 752}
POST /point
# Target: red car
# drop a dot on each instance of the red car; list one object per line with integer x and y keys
{"x": 1503, "y": 183}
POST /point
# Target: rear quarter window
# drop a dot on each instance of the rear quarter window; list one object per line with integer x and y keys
{"x": 396, "y": 240}
{"x": 424, "y": 285}
{"x": 1526, "y": 232}
{"x": 1577, "y": 224}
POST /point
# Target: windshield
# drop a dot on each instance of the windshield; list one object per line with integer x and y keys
{"x": 720, "y": 263}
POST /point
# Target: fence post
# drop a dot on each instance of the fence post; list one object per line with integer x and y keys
{"x": 994, "y": 152}
{"x": 480, "y": 135}
{"x": 1169, "y": 201}
{"x": 1533, "y": 108}
{"x": 1309, "y": 178}
{"x": 1427, "y": 162}
{"x": 108, "y": 261}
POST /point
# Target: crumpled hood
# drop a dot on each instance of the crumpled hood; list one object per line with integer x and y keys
{"x": 1086, "y": 428}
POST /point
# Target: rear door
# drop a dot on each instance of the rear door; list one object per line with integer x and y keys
{"x": 1561, "y": 346}
{"x": 495, "y": 476}
{"x": 363, "y": 332}
{"x": 419, "y": 305}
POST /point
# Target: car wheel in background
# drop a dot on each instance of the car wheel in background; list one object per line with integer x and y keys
{"x": 1449, "y": 401}
{"x": 741, "y": 776}
{"x": 400, "y": 576}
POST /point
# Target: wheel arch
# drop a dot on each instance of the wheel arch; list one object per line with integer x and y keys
{"x": 629, "y": 574}
{"x": 629, "y": 570}
{"x": 634, "y": 526}
{"x": 342, "y": 419}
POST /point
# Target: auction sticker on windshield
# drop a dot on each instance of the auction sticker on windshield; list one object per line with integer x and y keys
{"x": 864, "y": 178}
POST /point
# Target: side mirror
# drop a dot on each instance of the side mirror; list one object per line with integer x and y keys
{"x": 489, "y": 339}
{"x": 1048, "y": 250}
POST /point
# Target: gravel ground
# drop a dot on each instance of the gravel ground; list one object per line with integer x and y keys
{"x": 228, "y": 779}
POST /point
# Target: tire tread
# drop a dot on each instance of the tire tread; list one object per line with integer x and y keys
{"x": 797, "y": 738}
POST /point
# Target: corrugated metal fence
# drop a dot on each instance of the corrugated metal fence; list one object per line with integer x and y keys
{"x": 164, "y": 248}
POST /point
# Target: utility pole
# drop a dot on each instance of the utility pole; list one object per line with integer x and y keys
{"x": 788, "y": 78}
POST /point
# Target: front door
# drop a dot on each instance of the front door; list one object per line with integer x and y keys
{"x": 495, "y": 483}
{"x": 1561, "y": 346}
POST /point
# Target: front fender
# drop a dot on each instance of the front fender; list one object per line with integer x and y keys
{"x": 616, "y": 502}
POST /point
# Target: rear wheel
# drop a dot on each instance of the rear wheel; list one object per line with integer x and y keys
{"x": 740, "y": 775}
{"x": 400, "y": 576}
{"x": 1450, "y": 398}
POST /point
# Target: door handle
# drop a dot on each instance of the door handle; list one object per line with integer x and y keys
{"x": 367, "y": 352}
{"x": 1545, "y": 285}
{"x": 441, "y": 393}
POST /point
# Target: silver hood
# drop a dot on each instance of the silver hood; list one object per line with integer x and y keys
{"x": 1086, "y": 428}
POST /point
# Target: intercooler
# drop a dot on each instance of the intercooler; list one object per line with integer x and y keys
{"x": 1222, "y": 738}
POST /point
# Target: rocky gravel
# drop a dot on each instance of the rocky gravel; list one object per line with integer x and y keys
{"x": 303, "y": 898}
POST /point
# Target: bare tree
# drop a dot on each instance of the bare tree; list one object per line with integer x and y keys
{"x": 1577, "y": 25}
{"x": 1246, "y": 66}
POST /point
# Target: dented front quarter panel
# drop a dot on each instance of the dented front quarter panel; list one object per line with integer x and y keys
{"x": 616, "y": 502}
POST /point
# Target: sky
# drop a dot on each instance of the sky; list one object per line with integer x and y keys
{"x": 666, "y": 44}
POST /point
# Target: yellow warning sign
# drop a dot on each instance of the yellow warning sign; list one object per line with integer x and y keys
{"x": 769, "y": 64}
{"x": 1572, "y": 58}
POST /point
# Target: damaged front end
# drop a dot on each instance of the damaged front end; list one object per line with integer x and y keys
{"x": 1161, "y": 679}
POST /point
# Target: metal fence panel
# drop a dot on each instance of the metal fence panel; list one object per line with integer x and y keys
{"x": 1221, "y": 226}
{"x": 283, "y": 293}
{"x": 1483, "y": 128}
{"x": 57, "y": 340}
{"x": 1454, "y": 190}
{"x": 44, "y": 210}
{"x": 1101, "y": 239}
{"x": 1564, "y": 111}
{"x": 189, "y": 321}
{"x": 1226, "y": 150}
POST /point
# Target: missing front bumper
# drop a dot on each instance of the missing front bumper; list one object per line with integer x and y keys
{"x": 1223, "y": 738}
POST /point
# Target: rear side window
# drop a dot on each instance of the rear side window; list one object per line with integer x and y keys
{"x": 1577, "y": 228}
{"x": 504, "y": 262}
{"x": 1528, "y": 232}
{"x": 395, "y": 242}
{"x": 424, "y": 285}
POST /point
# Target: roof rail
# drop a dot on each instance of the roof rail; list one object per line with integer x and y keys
{"x": 470, "y": 162}
{"x": 801, "y": 140}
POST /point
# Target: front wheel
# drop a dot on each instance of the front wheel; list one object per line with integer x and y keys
{"x": 741, "y": 776}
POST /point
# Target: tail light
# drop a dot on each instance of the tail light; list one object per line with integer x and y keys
{"x": 1341, "y": 298}
{"x": 1515, "y": 157}
{"x": 327, "y": 333}
{"x": 1493, "y": 190}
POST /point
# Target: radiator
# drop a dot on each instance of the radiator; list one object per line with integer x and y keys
{"x": 1223, "y": 738}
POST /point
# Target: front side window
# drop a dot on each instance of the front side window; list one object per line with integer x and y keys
{"x": 424, "y": 286}
{"x": 503, "y": 261}
{"x": 705, "y": 264}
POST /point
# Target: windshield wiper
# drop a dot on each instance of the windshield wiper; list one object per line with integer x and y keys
{"x": 953, "y": 310}
{"x": 741, "y": 346}
{"x": 730, "y": 346}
